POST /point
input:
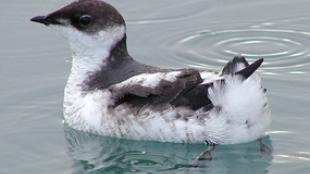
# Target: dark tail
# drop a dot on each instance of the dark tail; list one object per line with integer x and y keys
{"x": 239, "y": 66}
{"x": 249, "y": 70}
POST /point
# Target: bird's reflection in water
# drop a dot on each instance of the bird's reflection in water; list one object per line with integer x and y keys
{"x": 96, "y": 154}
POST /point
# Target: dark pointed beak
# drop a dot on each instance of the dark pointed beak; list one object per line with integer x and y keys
{"x": 46, "y": 20}
{"x": 40, "y": 19}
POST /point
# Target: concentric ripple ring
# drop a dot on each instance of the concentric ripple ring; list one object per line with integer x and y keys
{"x": 281, "y": 48}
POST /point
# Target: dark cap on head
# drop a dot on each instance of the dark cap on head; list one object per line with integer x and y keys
{"x": 85, "y": 15}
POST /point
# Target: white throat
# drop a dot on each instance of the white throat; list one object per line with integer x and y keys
{"x": 95, "y": 45}
{"x": 90, "y": 51}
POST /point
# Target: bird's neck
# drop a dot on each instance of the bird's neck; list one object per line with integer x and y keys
{"x": 85, "y": 66}
{"x": 82, "y": 71}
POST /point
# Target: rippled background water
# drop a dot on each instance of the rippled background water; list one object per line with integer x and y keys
{"x": 175, "y": 33}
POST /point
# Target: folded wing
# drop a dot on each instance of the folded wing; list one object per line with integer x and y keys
{"x": 155, "y": 88}
{"x": 179, "y": 88}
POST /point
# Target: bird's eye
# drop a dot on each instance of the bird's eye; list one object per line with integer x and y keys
{"x": 85, "y": 20}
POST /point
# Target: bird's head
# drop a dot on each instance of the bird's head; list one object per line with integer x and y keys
{"x": 92, "y": 27}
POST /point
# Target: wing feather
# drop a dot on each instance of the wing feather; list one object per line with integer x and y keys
{"x": 158, "y": 88}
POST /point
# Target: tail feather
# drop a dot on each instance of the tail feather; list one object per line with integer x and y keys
{"x": 206, "y": 96}
{"x": 249, "y": 70}
{"x": 239, "y": 66}
{"x": 236, "y": 64}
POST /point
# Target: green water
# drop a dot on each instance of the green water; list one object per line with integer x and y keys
{"x": 35, "y": 63}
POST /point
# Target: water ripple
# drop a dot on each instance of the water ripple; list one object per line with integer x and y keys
{"x": 282, "y": 49}
{"x": 284, "y": 158}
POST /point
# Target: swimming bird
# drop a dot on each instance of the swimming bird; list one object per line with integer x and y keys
{"x": 111, "y": 94}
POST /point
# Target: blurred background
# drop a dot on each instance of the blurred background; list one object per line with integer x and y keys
{"x": 35, "y": 62}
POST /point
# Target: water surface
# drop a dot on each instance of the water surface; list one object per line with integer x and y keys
{"x": 205, "y": 34}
